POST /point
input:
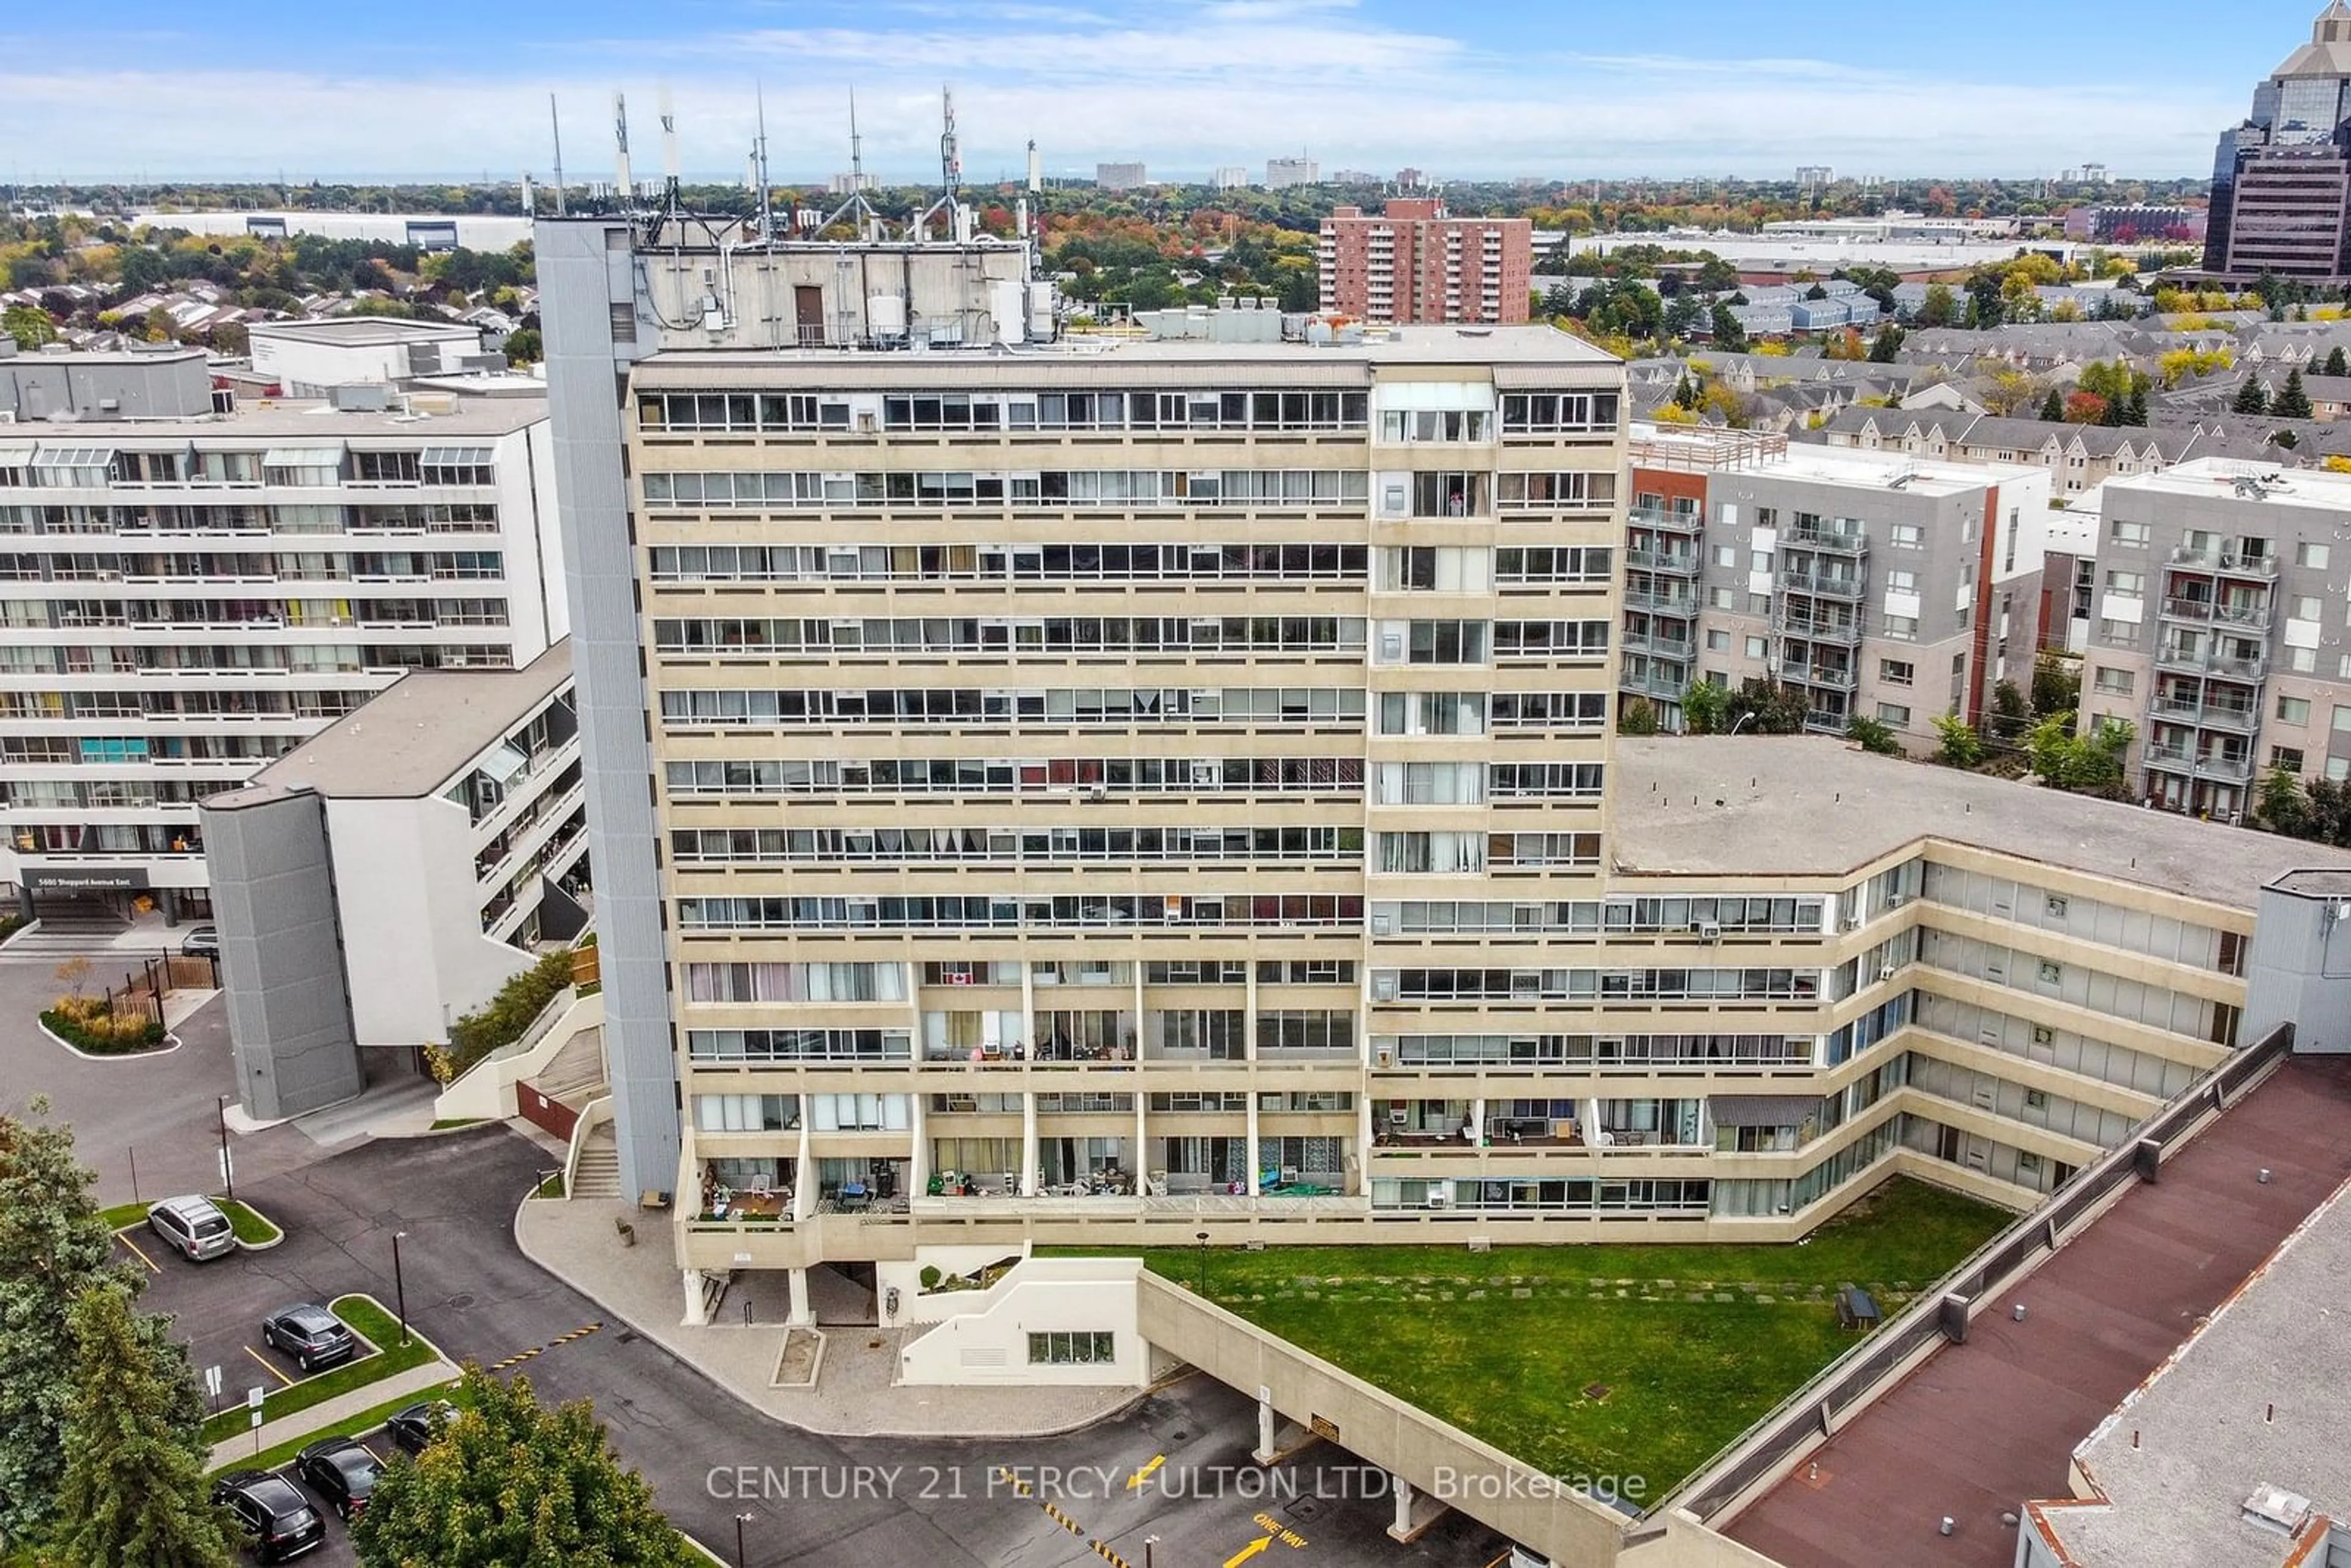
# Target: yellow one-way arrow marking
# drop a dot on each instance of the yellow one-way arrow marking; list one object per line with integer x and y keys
{"x": 1134, "y": 1481}
{"x": 1246, "y": 1552}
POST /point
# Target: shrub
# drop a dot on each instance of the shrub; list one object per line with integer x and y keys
{"x": 504, "y": 1019}
{"x": 89, "y": 1024}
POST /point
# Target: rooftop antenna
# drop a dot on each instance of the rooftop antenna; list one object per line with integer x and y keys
{"x": 1036, "y": 170}
{"x": 767, "y": 211}
{"x": 556, "y": 121}
{"x": 669, "y": 151}
{"x": 628, "y": 189}
{"x": 856, "y": 147}
{"x": 950, "y": 155}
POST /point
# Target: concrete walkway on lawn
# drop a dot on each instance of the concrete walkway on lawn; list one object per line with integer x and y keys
{"x": 855, "y": 1394}
{"x": 414, "y": 1382}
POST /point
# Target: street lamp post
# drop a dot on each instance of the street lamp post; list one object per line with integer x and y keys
{"x": 228, "y": 1175}
{"x": 740, "y": 1520}
{"x": 399, "y": 1285}
{"x": 1744, "y": 720}
{"x": 1202, "y": 1236}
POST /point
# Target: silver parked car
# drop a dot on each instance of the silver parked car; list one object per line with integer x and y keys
{"x": 193, "y": 1227}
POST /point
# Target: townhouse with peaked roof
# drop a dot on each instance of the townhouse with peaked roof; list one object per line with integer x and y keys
{"x": 2078, "y": 457}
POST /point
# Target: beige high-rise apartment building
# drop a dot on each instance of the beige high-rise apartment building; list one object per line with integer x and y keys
{"x": 1124, "y": 791}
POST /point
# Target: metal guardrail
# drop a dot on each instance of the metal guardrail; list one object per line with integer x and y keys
{"x": 1790, "y": 1428}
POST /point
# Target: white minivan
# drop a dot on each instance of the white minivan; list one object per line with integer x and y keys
{"x": 194, "y": 1227}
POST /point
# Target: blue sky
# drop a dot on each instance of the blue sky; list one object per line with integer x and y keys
{"x": 1471, "y": 90}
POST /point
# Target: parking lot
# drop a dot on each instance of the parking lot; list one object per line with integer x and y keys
{"x": 811, "y": 1499}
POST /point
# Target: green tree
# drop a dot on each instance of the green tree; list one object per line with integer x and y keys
{"x": 1886, "y": 345}
{"x": 512, "y": 1483}
{"x": 1705, "y": 708}
{"x": 134, "y": 1488}
{"x": 1940, "y": 308}
{"x": 2337, "y": 364}
{"x": 1961, "y": 745}
{"x": 2252, "y": 397}
{"x": 2292, "y": 402}
{"x": 29, "y": 324}
{"x": 53, "y": 1248}
{"x": 1874, "y": 735}
{"x": 2135, "y": 412}
{"x": 2282, "y": 807}
{"x": 524, "y": 347}
{"x": 1728, "y": 334}
{"x": 2056, "y": 683}
{"x": 2053, "y": 407}
{"x": 2089, "y": 763}
{"x": 2009, "y": 712}
{"x": 1637, "y": 715}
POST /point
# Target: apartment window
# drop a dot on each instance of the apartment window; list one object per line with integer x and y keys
{"x": 1958, "y": 675}
{"x": 624, "y": 321}
{"x": 1897, "y": 672}
{"x": 2118, "y": 633}
{"x": 1726, "y": 556}
{"x": 2342, "y": 720}
{"x": 2305, "y": 608}
{"x": 1894, "y": 714}
{"x": 2113, "y": 682}
{"x": 2301, "y": 661}
{"x": 2286, "y": 756}
{"x": 2338, "y": 769}
{"x": 1899, "y": 582}
{"x": 1902, "y": 628}
{"x": 1757, "y": 648}
{"x": 1718, "y": 641}
{"x": 1071, "y": 1348}
{"x": 1759, "y": 561}
{"x": 2130, "y": 536}
{"x": 2131, "y": 584}
{"x": 2293, "y": 710}
{"x": 1722, "y": 599}
{"x": 2311, "y": 556}
{"x": 1904, "y": 536}
{"x": 1758, "y": 604}
{"x": 2051, "y": 973}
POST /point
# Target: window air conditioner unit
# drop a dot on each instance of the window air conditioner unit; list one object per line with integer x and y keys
{"x": 1440, "y": 1198}
{"x": 1381, "y": 924}
{"x": 1886, "y": 971}
{"x": 1385, "y": 1057}
{"x": 1384, "y": 987}
{"x": 1709, "y": 930}
{"x": 1853, "y": 923}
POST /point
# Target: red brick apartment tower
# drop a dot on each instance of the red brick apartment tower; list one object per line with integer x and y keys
{"x": 1413, "y": 263}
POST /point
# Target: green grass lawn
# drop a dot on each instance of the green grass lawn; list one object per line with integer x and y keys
{"x": 1690, "y": 1342}
{"x": 365, "y": 1319}
{"x": 357, "y": 1426}
{"x": 251, "y": 1228}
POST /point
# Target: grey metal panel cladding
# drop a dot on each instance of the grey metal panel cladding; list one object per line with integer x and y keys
{"x": 580, "y": 277}
{"x": 274, "y": 900}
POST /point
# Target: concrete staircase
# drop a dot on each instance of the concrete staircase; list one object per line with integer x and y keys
{"x": 599, "y": 1171}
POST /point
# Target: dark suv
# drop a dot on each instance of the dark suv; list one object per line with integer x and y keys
{"x": 413, "y": 1428}
{"x": 276, "y": 1520}
{"x": 340, "y": 1469}
{"x": 311, "y": 1335}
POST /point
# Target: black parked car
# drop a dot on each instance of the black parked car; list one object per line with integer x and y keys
{"x": 341, "y": 1470}
{"x": 413, "y": 1428}
{"x": 311, "y": 1335}
{"x": 276, "y": 1520}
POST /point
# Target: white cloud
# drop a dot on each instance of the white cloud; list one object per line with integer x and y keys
{"x": 1185, "y": 87}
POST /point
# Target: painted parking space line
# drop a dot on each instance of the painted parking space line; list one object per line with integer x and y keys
{"x": 123, "y": 1235}
{"x": 263, "y": 1362}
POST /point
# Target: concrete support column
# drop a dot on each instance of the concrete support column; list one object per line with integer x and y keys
{"x": 1137, "y": 1055}
{"x": 1268, "y": 1427}
{"x": 1256, "y": 1172}
{"x": 1140, "y": 1165}
{"x": 1476, "y": 1139}
{"x": 1028, "y": 1142}
{"x": 1027, "y": 1038}
{"x": 918, "y": 1168}
{"x": 696, "y": 1315}
{"x": 802, "y": 1314}
{"x": 1359, "y": 1169}
{"x": 1249, "y": 1006}
{"x": 1402, "y": 1529}
{"x": 804, "y": 1170}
